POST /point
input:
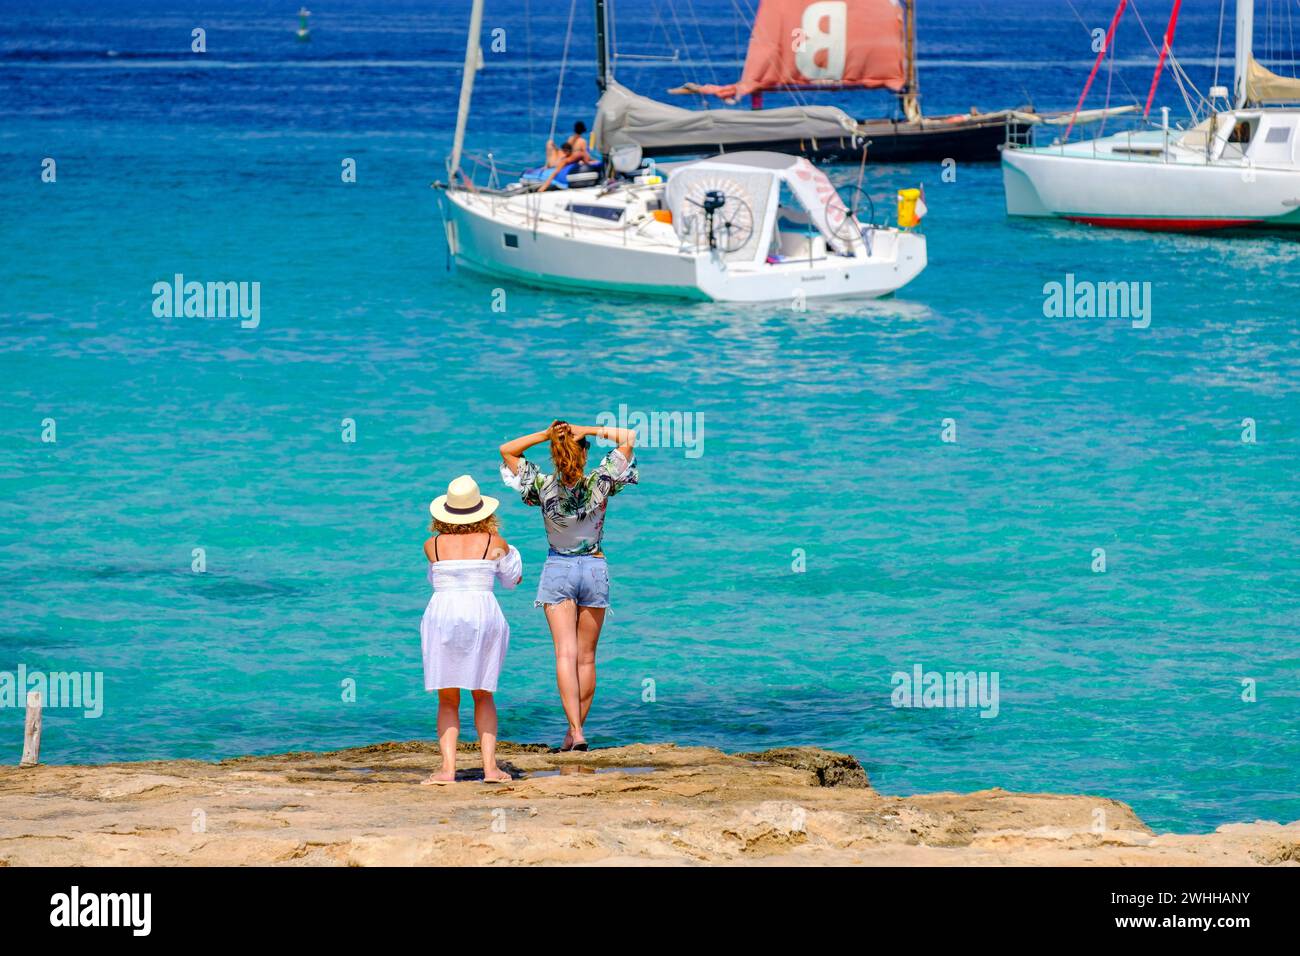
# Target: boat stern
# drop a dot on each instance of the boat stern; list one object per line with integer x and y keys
{"x": 896, "y": 257}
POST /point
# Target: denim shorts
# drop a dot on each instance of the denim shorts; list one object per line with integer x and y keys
{"x": 580, "y": 578}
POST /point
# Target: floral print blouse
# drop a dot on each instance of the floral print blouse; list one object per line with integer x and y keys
{"x": 574, "y": 517}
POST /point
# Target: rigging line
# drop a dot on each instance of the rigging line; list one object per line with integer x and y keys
{"x": 528, "y": 42}
{"x": 801, "y": 98}
{"x": 1268, "y": 28}
{"x": 1110, "y": 75}
{"x": 564, "y": 64}
{"x": 1088, "y": 30}
{"x": 1290, "y": 29}
{"x": 611, "y": 28}
{"x": 1181, "y": 78}
{"x": 735, "y": 32}
{"x": 750, "y": 13}
{"x": 1142, "y": 23}
{"x": 1218, "y": 47}
{"x": 681, "y": 34}
{"x": 1179, "y": 73}
{"x": 695, "y": 19}
{"x": 661, "y": 27}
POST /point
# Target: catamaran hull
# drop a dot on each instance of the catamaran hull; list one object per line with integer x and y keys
{"x": 1166, "y": 197}
{"x": 484, "y": 244}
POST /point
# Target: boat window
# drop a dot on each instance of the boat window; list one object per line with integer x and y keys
{"x": 1278, "y": 134}
{"x": 608, "y": 213}
{"x": 1241, "y": 132}
{"x": 511, "y": 240}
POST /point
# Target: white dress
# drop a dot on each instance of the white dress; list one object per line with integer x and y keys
{"x": 463, "y": 633}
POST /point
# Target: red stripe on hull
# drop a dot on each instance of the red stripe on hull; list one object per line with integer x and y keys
{"x": 1163, "y": 225}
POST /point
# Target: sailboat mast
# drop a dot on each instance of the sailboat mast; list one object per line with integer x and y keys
{"x": 1245, "y": 41}
{"x": 602, "y": 47}
{"x": 473, "y": 60}
{"x": 911, "y": 92}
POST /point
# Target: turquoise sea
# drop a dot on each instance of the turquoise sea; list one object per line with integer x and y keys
{"x": 821, "y": 429}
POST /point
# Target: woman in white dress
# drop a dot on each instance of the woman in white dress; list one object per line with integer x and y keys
{"x": 464, "y": 634}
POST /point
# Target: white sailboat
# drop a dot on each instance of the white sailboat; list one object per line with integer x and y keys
{"x": 744, "y": 227}
{"x": 1238, "y": 167}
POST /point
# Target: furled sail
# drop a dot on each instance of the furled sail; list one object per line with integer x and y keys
{"x": 626, "y": 117}
{"x": 1265, "y": 86}
{"x": 820, "y": 43}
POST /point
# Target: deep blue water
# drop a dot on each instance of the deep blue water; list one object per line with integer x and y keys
{"x": 822, "y": 429}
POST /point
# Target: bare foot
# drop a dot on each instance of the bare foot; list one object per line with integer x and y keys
{"x": 568, "y": 743}
{"x": 442, "y": 776}
{"x": 496, "y": 775}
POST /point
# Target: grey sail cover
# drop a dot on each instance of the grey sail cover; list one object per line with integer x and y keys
{"x": 626, "y": 117}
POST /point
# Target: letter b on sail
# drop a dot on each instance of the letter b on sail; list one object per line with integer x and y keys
{"x": 825, "y": 26}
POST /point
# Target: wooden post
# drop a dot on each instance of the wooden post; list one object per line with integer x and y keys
{"x": 32, "y": 731}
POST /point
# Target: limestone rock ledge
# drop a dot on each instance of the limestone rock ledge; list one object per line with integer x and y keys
{"x": 638, "y": 805}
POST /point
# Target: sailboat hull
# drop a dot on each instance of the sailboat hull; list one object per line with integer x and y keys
{"x": 963, "y": 139}
{"x": 1149, "y": 195}
{"x": 497, "y": 237}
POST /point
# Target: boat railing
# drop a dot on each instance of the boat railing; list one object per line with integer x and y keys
{"x": 481, "y": 173}
{"x": 1019, "y": 135}
{"x": 1140, "y": 140}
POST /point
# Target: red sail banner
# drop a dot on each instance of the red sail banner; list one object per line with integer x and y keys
{"x": 816, "y": 43}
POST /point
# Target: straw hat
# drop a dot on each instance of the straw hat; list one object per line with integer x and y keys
{"x": 462, "y": 504}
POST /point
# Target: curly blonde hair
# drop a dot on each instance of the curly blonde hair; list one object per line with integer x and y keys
{"x": 568, "y": 453}
{"x": 490, "y": 525}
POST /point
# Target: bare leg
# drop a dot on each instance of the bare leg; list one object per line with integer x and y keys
{"x": 485, "y": 720}
{"x": 590, "y": 620}
{"x": 448, "y": 732}
{"x": 563, "y": 619}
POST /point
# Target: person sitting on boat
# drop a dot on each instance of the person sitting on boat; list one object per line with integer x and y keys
{"x": 575, "y": 142}
{"x": 565, "y": 156}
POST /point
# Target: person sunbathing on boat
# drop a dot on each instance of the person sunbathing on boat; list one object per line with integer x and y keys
{"x": 564, "y": 157}
{"x": 575, "y": 142}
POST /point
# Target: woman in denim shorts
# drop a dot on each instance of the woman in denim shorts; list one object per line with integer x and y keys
{"x": 574, "y": 586}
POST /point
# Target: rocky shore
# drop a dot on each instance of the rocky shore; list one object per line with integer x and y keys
{"x": 638, "y": 805}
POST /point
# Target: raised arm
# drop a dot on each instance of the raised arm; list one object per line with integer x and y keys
{"x": 625, "y": 437}
{"x": 513, "y": 450}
